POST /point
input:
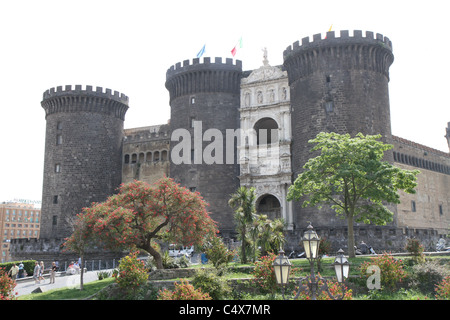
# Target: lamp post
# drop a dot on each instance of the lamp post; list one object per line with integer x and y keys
{"x": 311, "y": 240}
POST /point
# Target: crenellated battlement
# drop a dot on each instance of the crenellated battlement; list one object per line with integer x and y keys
{"x": 218, "y": 64}
{"x": 357, "y": 52}
{"x": 343, "y": 39}
{"x": 88, "y": 90}
{"x": 189, "y": 78}
{"x": 66, "y": 99}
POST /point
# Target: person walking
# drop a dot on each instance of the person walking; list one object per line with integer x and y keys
{"x": 13, "y": 272}
{"x": 53, "y": 272}
{"x": 36, "y": 272}
{"x": 41, "y": 271}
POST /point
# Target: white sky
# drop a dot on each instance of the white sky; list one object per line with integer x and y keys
{"x": 128, "y": 46}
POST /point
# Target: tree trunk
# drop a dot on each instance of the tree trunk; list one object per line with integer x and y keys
{"x": 81, "y": 272}
{"x": 350, "y": 236}
{"x": 156, "y": 255}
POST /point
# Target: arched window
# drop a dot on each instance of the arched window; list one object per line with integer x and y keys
{"x": 164, "y": 155}
{"x": 141, "y": 157}
{"x": 149, "y": 157}
{"x": 156, "y": 156}
{"x": 134, "y": 158}
{"x": 266, "y": 131}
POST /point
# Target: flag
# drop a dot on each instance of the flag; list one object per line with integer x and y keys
{"x": 329, "y": 31}
{"x": 201, "y": 52}
{"x": 236, "y": 47}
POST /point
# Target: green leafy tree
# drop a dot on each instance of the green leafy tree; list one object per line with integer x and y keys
{"x": 141, "y": 213}
{"x": 351, "y": 176}
{"x": 243, "y": 203}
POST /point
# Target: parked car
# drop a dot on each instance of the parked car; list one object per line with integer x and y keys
{"x": 176, "y": 250}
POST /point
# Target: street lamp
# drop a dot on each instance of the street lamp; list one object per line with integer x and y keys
{"x": 311, "y": 240}
{"x": 282, "y": 267}
{"x": 311, "y": 243}
{"x": 341, "y": 266}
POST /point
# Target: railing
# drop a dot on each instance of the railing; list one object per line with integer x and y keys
{"x": 92, "y": 265}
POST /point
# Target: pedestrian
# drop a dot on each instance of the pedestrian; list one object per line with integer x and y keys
{"x": 21, "y": 271}
{"x": 36, "y": 272}
{"x": 53, "y": 272}
{"x": 41, "y": 271}
{"x": 13, "y": 272}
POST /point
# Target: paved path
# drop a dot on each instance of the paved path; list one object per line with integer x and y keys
{"x": 27, "y": 286}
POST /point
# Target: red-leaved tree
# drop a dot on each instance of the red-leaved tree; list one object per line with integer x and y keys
{"x": 141, "y": 213}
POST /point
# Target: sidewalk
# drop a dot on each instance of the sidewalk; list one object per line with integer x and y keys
{"x": 27, "y": 286}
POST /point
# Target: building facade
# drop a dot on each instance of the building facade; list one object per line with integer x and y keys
{"x": 18, "y": 221}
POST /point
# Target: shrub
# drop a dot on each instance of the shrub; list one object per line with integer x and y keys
{"x": 132, "y": 272}
{"x": 6, "y": 286}
{"x": 183, "y": 291}
{"x": 335, "y": 290}
{"x": 425, "y": 276}
{"x": 264, "y": 274}
{"x": 391, "y": 270}
{"x": 212, "y": 284}
{"x": 416, "y": 250}
{"x": 217, "y": 253}
{"x": 443, "y": 289}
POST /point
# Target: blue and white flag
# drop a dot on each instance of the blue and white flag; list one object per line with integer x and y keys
{"x": 201, "y": 52}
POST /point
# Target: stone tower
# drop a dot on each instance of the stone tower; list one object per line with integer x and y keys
{"x": 204, "y": 101}
{"x": 83, "y": 152}
{"x": 337, "y": 84}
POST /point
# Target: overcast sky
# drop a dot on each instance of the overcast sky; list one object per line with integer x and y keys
{"x": 129, "y": 45}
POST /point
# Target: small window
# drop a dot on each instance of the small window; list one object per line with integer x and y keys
{"x": 328, "y": 78}
{"x": 127, "y": 158}
{"x": 59, "y": 126}
{"x": 57, "y": 168}
{"x": 55, "y": 220}
{"x": 329, "y": 106}
{"x": 192, "y": 100}
{"x": 55, "y": 199}
{"x": 58, "y": 139}
{"x": 192, "y": 189}
{"x": 441, "y": 210}
{"x": 413, "y": 206}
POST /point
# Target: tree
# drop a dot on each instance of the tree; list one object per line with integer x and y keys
{"x": 243, "y": 203}
{"x": 80, "y": 241}
{"x": 141, "y": 213}
{"x": 351, "y": 176}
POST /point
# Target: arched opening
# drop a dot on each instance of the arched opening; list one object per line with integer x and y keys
{"x": 164, "y": 155}
{"x": 266, "y": 131}
{"x": 269, "y": 205}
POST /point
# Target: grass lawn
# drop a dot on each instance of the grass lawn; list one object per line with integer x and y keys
{"x": 70, "y": 294}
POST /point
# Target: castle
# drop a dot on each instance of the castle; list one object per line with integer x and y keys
{"x": 336, "y": 84}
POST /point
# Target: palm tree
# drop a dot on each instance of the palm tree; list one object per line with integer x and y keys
{"x": 243, "y": 203}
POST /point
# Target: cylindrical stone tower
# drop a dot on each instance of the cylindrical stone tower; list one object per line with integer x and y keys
{"x": 337, "y": 84}
{"x": 205, "y": 101}
{"x": 83, "y": 152}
